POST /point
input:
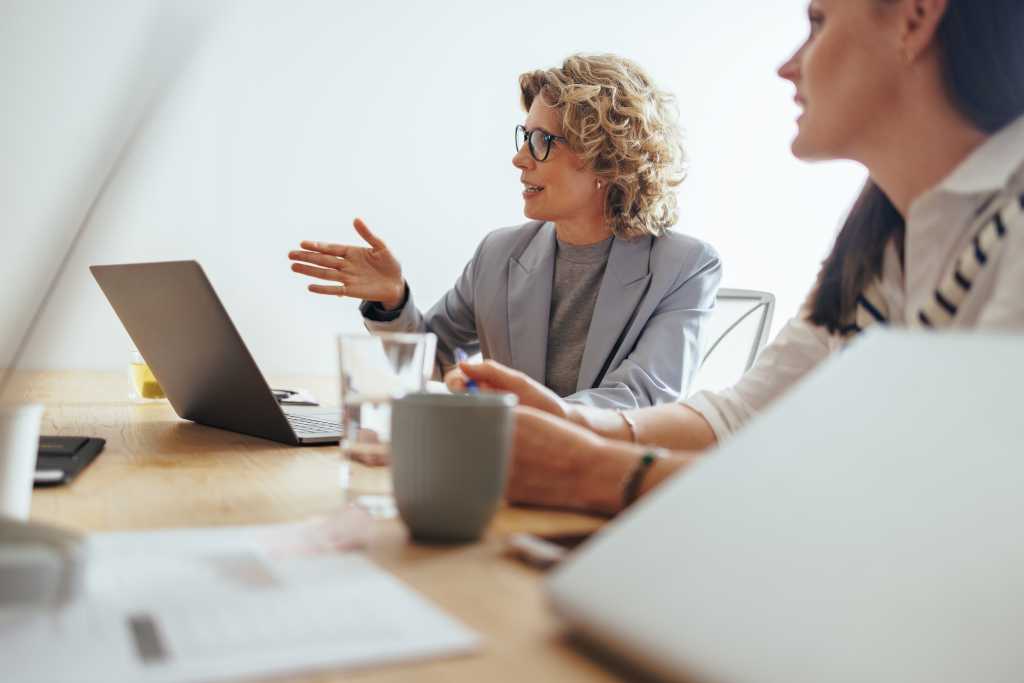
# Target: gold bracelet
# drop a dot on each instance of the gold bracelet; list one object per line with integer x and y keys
{"x": 630, "y": 425}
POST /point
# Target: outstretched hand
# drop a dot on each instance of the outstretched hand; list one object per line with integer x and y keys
{"x": 371, "y": 274}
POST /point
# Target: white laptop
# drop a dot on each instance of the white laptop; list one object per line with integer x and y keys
{"x": 868, "y": 527}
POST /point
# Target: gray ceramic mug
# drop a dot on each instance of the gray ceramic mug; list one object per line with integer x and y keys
{"x": 449, "y": 462}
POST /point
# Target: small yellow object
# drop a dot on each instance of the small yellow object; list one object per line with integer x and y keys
{"x": 152, "y": 390}
{"x": 145, "y": 383}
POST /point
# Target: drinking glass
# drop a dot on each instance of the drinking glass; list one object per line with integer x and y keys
{"x": 376, "y": 369}
{"x": 144, "y": 387}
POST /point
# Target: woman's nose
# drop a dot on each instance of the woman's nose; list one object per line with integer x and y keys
{"x": 790, "y": 69}
{"x": 522, "y": 159}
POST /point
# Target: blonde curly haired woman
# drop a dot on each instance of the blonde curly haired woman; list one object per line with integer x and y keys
{"x": 594, "y": 297}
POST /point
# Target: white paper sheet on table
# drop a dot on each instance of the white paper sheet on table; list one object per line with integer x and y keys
{"x": 211, "y": 604}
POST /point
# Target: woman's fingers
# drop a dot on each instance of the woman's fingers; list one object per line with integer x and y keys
{"x": 330, "y": 290}
{"x": 493, "y": 374}
{"x": 455, "y": 380}
{"x": 371, "y": 274}
{"x": 326, "y": 248}
{"x": 458, "y": 383}
{"x": 317, "y": 259}
{"x": 364, "y": 231}
{"x": 319, "y": 273}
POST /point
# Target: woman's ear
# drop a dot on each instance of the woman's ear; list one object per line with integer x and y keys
{"x": 921, "y": 20}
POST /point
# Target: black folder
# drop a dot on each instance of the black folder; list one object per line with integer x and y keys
{"x": 61, "y": 458}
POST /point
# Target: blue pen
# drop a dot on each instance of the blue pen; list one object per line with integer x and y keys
{"x": 461, "y": 357}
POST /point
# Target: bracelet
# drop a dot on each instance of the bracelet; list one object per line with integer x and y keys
{"x": 630, "y": 425}
{"x": 631, "y": 487}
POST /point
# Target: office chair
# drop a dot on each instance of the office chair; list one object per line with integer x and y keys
{"x": 734, "y": 336}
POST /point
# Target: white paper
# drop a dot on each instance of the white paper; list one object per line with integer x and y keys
{"x": 202, "y": 605}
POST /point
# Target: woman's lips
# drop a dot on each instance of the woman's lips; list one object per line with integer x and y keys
{"x": 531, "y": 191}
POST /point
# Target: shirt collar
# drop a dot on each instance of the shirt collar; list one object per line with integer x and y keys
{"x": 989, "y": 167}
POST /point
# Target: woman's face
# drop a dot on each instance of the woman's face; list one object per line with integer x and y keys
{"x": 560, "y": 188}
{"x": 847, "y": 76}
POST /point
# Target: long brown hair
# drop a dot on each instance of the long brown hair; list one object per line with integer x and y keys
{"x": 983, "y": 64}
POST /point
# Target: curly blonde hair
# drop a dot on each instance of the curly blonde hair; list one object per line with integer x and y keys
{"x": 624, "y": 129}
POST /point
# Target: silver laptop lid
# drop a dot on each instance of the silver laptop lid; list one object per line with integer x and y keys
{"x": 865, "y": 528}
{"x": 178, "y": 323}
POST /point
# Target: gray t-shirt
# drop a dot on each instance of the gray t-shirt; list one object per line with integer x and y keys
{"x": 578, "y": 274}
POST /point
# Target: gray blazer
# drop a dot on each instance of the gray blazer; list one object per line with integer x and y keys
{"x": 644, "y": 343}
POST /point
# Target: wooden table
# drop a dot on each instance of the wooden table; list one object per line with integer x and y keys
{"x": 158, "y": 471}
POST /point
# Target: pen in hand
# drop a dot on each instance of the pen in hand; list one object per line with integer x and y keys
{"x": 461, "y": 357}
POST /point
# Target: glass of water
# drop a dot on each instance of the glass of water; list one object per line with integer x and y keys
{"x": 376, "y": 369}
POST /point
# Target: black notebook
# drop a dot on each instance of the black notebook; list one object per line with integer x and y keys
{"x": 61, "y": 458}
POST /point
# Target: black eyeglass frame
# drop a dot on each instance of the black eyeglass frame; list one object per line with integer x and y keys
{"x": 528, "y": 136}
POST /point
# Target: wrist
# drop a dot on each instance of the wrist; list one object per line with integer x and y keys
{"x": 396, "y": 301}
{"x": 630, "y": 425}
{"x": 600, "y": 485}
{"x": 611, "y": 424}
{"x": 590, "y": 418}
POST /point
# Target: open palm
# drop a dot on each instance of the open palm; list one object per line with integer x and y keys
{"x": 369, "y": 273}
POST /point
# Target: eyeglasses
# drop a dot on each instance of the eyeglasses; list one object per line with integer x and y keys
{"x": 537, "y": 140}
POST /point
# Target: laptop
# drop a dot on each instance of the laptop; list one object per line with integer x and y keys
{"x": 867, "y": 527}
{"x": 182, "y": 329}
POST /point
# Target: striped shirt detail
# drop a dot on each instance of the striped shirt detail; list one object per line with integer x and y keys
{"x": 954, "y": 288}
{"x": 871, "y": 308}
{"x": 960, "y": 279}
{"x": 945, "y": 303}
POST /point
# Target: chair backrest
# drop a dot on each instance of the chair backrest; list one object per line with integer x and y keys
{"x": 733, "y": 336}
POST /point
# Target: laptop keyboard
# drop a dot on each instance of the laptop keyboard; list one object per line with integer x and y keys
{"x": 313, "y": 427}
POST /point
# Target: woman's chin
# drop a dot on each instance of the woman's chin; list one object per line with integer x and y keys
{"x": 803, "y": 149}
{"x": 533, "y": 213}
{"x": 799, "y": 146}
{"x": 807, "y": 147}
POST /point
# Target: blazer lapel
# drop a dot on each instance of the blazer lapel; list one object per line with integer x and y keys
{"x": 530, "y": 275}
{"x": 625, "y": 282}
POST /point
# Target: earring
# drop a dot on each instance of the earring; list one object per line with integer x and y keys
{"x": 599, "y": 184}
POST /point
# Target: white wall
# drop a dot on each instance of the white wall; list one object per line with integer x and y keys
{"x": 296, "y": 116}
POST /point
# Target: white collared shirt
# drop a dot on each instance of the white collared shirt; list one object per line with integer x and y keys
{"x": 937, "y": 232}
